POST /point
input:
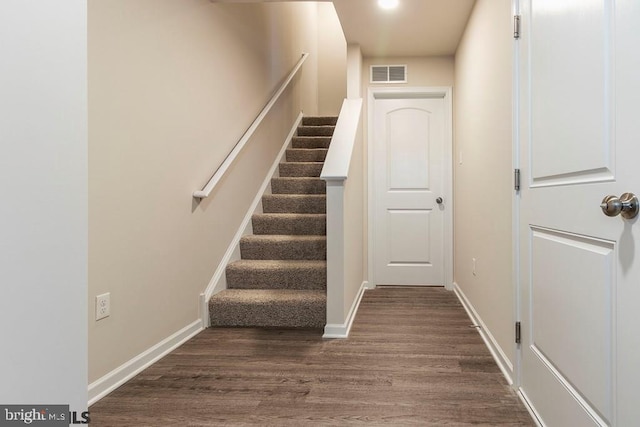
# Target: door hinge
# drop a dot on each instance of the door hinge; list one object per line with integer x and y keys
{"x": 518, "y": 335}
{"x": 516, "y": 27}
{"x": 516, "y": 179}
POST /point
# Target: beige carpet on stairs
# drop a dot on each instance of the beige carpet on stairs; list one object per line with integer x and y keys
{"x": 280, "y": 282}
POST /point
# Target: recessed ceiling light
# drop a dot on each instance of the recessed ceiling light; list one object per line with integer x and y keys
{"x": 388, "y": 4}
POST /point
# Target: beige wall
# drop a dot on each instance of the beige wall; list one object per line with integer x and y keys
{"x": 332, "y": 67}
{"x": 172, "y": 87}
{"x": 421, "y": 71}
{"x": 483, "y": 182}
{"x": 354, "y": 71}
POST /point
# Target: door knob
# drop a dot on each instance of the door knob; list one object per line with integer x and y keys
{"x": 439, "y": 200}
{"x": 626, "y": 205}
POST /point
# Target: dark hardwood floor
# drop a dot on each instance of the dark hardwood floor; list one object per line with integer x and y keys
{"x": 411, "y": 359}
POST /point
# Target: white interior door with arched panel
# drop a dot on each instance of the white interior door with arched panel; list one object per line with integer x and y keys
{"x": 410, "y": 209}
{"x": 579, "y": 268}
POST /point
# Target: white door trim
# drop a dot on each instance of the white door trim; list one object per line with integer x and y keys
{"x": 515, "y": 205}
{"x": 406, "y": 93}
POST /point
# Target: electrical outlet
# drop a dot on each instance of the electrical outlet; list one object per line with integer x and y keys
{"x": 103, "y": 306}
{"x": 474, "y": 266}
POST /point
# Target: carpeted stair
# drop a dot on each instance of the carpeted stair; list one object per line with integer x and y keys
{"x": 281, "y": 279}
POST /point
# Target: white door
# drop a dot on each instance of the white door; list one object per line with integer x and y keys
{"x": 580, "y": 270}
{"x": 408, "y": 233}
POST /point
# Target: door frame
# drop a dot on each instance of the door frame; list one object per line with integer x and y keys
{"x": 515, "y": 206}
{"x": 445, "y": 93}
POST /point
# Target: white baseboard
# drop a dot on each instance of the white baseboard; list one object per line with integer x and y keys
{"x": 218, "y": 281}
{"x": 114, "y": 379}
{"x": 532, "y": 411}
{"x": 203, "y": 310}
{"x": 332, "y": 330}
{"x": 496, "y": 351}
{"x": 368, "y": 285}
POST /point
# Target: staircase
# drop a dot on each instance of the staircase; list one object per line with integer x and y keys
{"x": 280, "y": 280}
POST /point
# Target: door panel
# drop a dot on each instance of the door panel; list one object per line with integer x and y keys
{"x": 564, "y": 68}
{"x": 407, "y": 151}
{"x": 408, "y": 232}
{"x": 579, "y": 269}
{"x": 408, "y": 235}
{"x": 566, "y": 302}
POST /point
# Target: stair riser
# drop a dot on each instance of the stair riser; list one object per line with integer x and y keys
{"x": 299, "y": 155}
{"x": 319, "y": 121}
{"x": 310, "y": 142}
{"x": 315, "y": 249}
{"x": 298, "y": 186}
{"x": 308, "y": 204}
{"x": 300, "y": 169}
{"x": 272, "y": 315}
{"x": 315, "y": 130}
{"x": 316, "y": 225}
{"x": 285, "y": 278}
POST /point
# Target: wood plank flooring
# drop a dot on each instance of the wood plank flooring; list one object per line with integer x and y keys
{"x": 411, "y": 359}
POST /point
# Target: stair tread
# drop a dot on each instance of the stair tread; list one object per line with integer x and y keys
{"x": 285, "y": 215}
{"x": 294, "y": 203}
{"x": 265, "y": 296}
{"x": 298, "y": 185}
{"x": 308, "y": 169}
{"x": 292, "y": 197}
{"x": 306, "y": 154}
{"x": 282, "y": 237}
{"x": 317, "y": 126}
{"x": 295, "y": 196}
{"x": 319, "y": 120}
{"x": 320, "y": 130}
{"x": 277, "y": 264}
{"x": 277, "y": 274}
{"x": 302, "y": 163}
{"x": 311, "y": 142}
{"x": 299, "y": 178}
{"x": 284, "y": 246}
{"x": 269, "y": 308}
{"x": 289, "y": 223}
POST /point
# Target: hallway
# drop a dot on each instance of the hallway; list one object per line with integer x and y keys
{"x": 411, "y": 359}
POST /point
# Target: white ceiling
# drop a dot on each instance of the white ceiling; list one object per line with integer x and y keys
{"x": 415, "y": 28}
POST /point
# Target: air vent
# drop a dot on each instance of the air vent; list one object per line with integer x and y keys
{"x": 388, "y": 74}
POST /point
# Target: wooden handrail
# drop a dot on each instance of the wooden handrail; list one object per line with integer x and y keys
{"x": 222, "y": 169}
